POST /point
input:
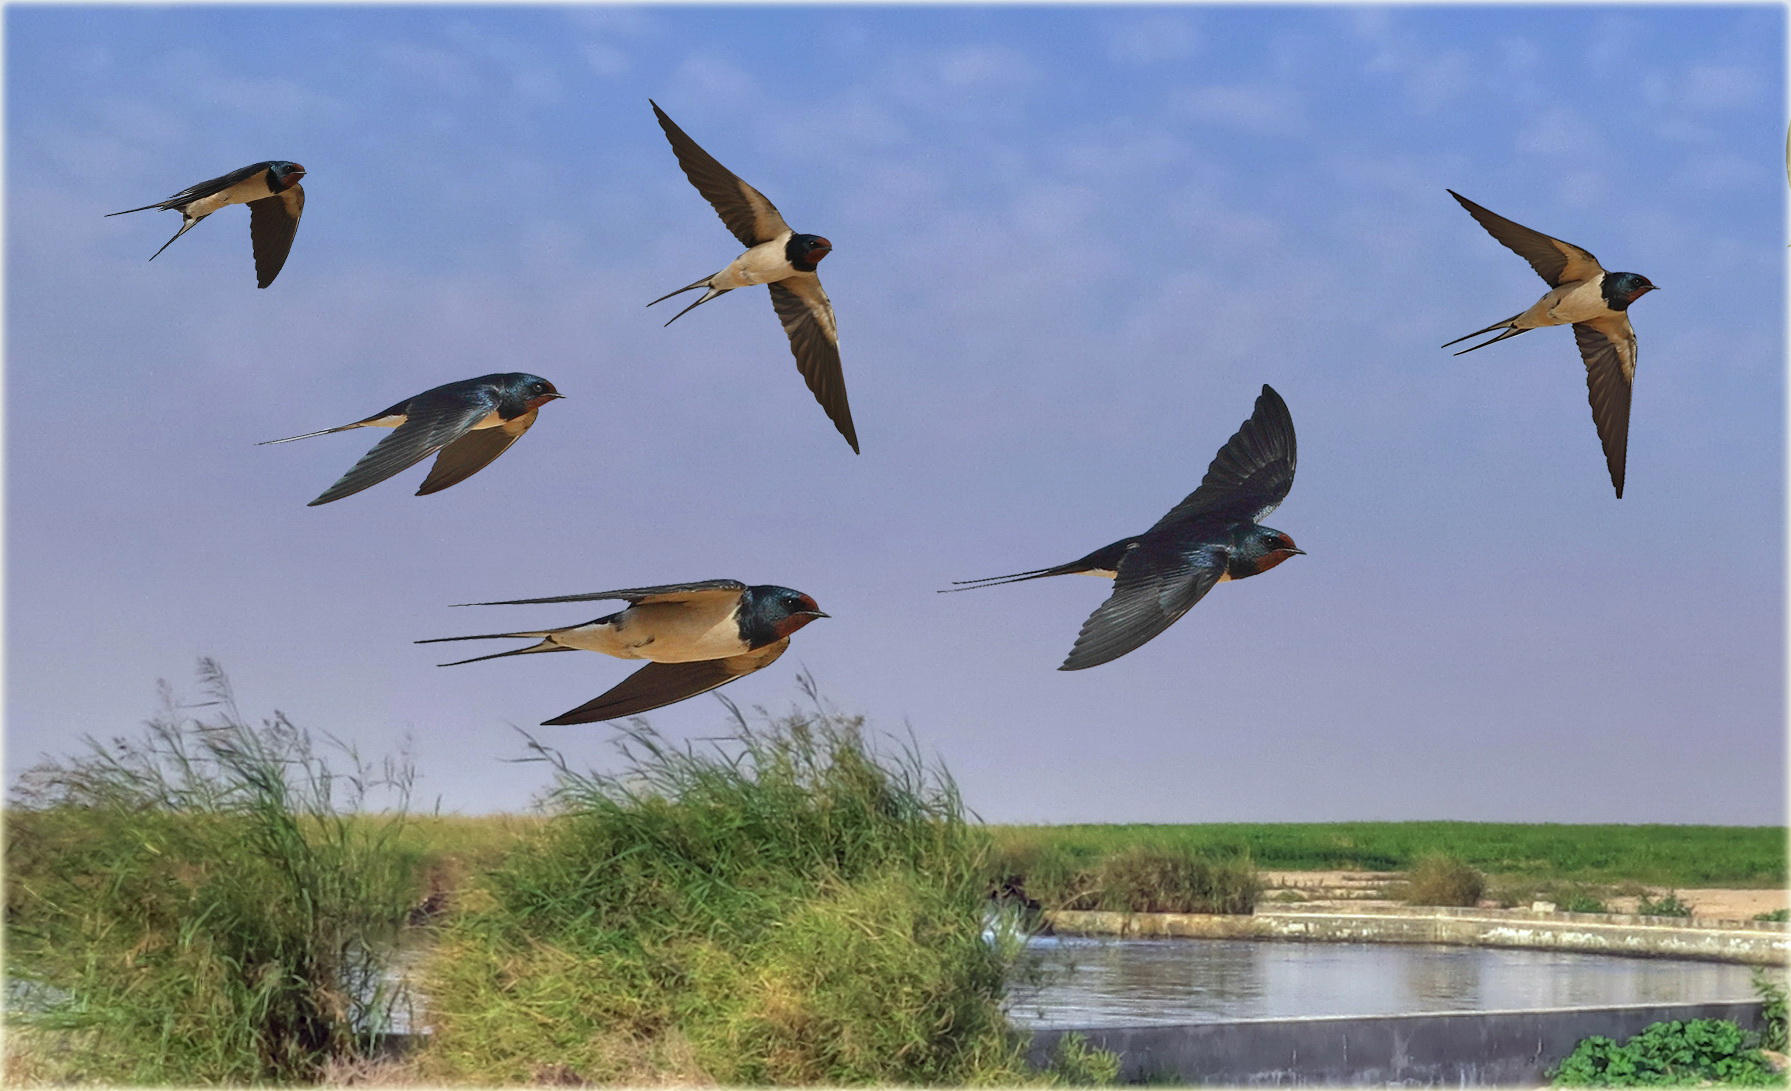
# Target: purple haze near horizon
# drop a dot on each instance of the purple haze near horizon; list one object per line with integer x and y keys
{"x": 1072, "y": 244}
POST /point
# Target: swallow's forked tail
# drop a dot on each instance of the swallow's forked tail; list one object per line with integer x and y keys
{"x": 1505, "y": 325}
{"x": 145, "y": 208}
{"x": 185, "y": 227}
{"x": 546, "y": 645}
{"x": 1013, "y": 577}
{"x": 707, "y": 296}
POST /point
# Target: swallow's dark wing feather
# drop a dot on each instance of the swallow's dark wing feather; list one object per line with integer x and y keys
{"x": 1251, "y": 474}
{"x": 749, "y": 215}
{"x": 658, "y": 684}
{"x": 807, "y": 317}
{"x": 1608, "y": 346}
{"x": 1155, "y": 586}
{"x": 1554, "y": 260}
{"x": 472, "y": 452}
{"x": 203, "y": 189}
{"x": 430, "y": 425}
{"x": 667, "y": 592}
{"x": 273, "y": 221}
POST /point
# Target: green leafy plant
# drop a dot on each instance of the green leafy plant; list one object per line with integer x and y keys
{"x": 1667, "y": 905}
{"x": 1779, "y": 914}
{"x": 1668, "y": 1053}
{"x": 1078, "y": 1064}
{"x": 1772, "y": 994}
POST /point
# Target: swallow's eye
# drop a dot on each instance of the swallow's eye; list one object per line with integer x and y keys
{"x": 538, "y": 388}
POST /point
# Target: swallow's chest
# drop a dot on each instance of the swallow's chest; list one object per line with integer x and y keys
{"x": 762, "y": 264}
{"x": 1581, "y": 303}
{"x": 671, "y": 632}
{"x": 249, "y": 189}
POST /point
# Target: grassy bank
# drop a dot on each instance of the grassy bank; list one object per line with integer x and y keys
{"x": 787, "y": 906}
{"x": 1661, "y": 855}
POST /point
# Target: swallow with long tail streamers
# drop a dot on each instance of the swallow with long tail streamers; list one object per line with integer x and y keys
{"x": 779, "y": 258}
{"x": 470, "y": 422}
{"x": 1596, "y": 303}
{"x": 1212, "y": 536}
{"x": 698, "y": 636}
{"x": 275, "y": 200}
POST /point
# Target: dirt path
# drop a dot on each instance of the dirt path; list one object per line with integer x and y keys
{"x": 1366, "y": 887}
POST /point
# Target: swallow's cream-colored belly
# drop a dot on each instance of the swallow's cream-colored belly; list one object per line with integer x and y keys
{"x": 667, "y": 632}
{"x": 1579, "y": 302}
{"x": 490, "y": 420}
{"x": 762, "y": 264}
{"x": 249, "y": 189}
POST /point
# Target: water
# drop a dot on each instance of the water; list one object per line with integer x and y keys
{"x": 1088, "y": 982}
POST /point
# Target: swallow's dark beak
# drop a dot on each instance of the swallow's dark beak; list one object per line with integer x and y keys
{"x": 815, "y": 613}
{"x": 1296, "y": 549}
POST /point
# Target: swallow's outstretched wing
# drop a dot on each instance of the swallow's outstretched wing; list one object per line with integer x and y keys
{"x": 748, "y": 214}
{"x": 426, "y": 430}
{"x": 1555, "y": 261}
{"x": 1155, "y": 586}
{"x": 1608, "y": 346}
{"x": 658, "y": 684}
{"x": 695, "y": 591}
{"x": 807, "y": 318}
{"x": 1250, "y": 475}
{"x": 273, "y": 221}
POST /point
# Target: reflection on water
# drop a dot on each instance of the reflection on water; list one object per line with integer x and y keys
{"x": 1084, "y": 982}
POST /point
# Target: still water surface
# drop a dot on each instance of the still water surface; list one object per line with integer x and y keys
{"x": 1086, "y": 982}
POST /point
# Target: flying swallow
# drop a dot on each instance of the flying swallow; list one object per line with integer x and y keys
{"x": 1210, "y": 537}
{"x": 1596, "y": 303}
{"x": 780, "y": 259}
{"x": 698, "y": 635}
{"x": 470, "y": 422}
{"x": 275, "y": 200}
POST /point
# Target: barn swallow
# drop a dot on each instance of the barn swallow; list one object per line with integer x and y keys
{"x": 780, "y": 259}
{"x": 1596, "y": 303}
{"x": 698, "y": 635}
{"x": 470, "y": 422}
{"x": 1210, "y": 537}
{"x": 275, "y": 200}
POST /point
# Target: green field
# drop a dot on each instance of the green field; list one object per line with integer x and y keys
{"x": 1676, "y": 856}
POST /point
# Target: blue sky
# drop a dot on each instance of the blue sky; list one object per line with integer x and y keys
{"x": 1070, "y": 246}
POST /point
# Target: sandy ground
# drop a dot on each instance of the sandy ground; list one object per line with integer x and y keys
{"x": 1362, "y": 887}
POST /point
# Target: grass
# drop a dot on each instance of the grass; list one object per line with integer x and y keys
{"x": 785, "y": 905}
{"x": 1660, "y": 855}
{"x": 196, "y": 906}
{"x": 1140, "y": 878}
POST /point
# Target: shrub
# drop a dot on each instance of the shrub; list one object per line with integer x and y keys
{"x": 1441, "y": 879}
{"x": 1674, "y": 1053}
{"x": 784, "y": 905}
{"x": 1772, "y": 1004}
{"x": 1667, "y": 905}
{"x": 196, "y": 905}
{"x": 1780, "y": 914}
{"x": 1149, "y": 879}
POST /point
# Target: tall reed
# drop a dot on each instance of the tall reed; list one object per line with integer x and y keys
{"x": 198, "y": 904}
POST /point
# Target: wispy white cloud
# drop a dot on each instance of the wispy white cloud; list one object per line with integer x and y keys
{"x": 1268, "y": 109}
{"x": 1153, "y": 38}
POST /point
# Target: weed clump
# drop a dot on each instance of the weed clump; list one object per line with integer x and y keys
{"x": 1667, "y": 905}
{"x": 198, "y": 906}
{"x": 1139, "y": 878}
{"x": 782, "y": 905}
{"x": 1441, "y": 879}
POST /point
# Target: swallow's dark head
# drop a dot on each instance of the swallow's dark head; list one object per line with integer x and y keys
{"x": 769, "y": 613}
{"x": 1622, "y": 289}
{"x": 1260, "y": 549}
{"x": 519, "y": 392}
{"x": 283, "y": 174}
{"x": 806, "y": 251}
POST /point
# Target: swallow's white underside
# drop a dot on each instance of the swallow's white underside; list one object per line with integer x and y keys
{"x": 1580, "y": 301}
{"x": 490, "y": 420}
{"x": 249, "y": 189}
{"x": 665, "y": 632}
{"x": 762, "y": 264}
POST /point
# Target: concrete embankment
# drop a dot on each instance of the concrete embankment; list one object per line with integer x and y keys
{"x": 1762, "y": 943}
{"x": 1476, "y": 1049}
